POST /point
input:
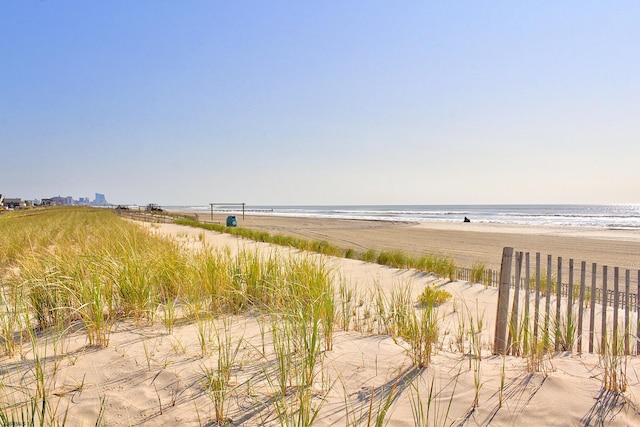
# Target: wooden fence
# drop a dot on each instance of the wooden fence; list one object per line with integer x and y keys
{"x": 595, "y": 306}
{"x": 144, "y": 215}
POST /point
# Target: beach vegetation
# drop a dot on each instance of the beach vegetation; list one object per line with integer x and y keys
{"x": 370, "y": 256}
{"x": 433, "y": 296}
{"x": 421, "y": 332}
{"x": 439, "y": 265}
{"x": 614, "y": 363}
{"x": 396, "y": 259}
{"x": 544, "y": 281}
{"x": 442, "y": 266}
{"x": 480, "y": 273}
{"x": 90, "y": 266}
{"x": 87, "y": 270}
{"x": 432, "y": 409}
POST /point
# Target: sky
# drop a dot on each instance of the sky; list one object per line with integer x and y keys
{"x": 327, "y": 102}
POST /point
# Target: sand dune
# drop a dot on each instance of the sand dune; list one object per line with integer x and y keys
{"x": 149, "y": 377}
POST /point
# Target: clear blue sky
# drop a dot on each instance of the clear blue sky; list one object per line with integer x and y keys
{"x": 328, "y": 102}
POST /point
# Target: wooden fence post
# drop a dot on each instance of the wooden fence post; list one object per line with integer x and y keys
{"x": 627, "y": 330}
{"x": 558, "y": 329}
{"x": 570, "y": 318}
{"x": 502, "y": 313}
{"x": 513, "y": 345}
{"x": 536, "y": 315}
{"x": 605, "y": 298}
{"x": 583, "y": 267}
{"x": 547, "y": 302}
{"x": 527, "y": 314}
{"x": 616, "y": 305}
{"x": 638, "y": 317}
{"x": 592, "y": 306}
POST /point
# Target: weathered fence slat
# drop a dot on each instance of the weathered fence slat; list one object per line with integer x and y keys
{"x": 570, "y": 320}
{"x": 502, "y": 312}
{"x": 627, "y": 288}
{"x": 536, "y": 316}
{"x": 513, "y": 345}
{"x": 603, "y": 341}
{"x": 638, "y": 316}
{"x": 527, "y": 322}
{"x": 616, "y": 305}
{"x": 592, "y": 315}
{"x": 557, "y": 328}
{"x": 583, "y": 274}
{"x": 547, "y": 303}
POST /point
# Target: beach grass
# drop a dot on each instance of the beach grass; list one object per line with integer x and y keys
{"x": 88, "y": 270}
{"x": 89, "y": 265}
{"x": 442, "y": 266}
{"x": 92, "y": 267}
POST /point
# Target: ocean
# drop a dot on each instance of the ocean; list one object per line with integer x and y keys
{"x": 624, "y": 217}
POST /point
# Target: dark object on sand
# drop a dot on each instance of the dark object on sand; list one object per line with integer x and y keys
{"x": 153, "y": 208}
{"x": 232, "y": 221}
{"x": 466, "y": 219}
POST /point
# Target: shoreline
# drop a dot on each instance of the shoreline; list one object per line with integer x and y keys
{"x": 466, "y": 243}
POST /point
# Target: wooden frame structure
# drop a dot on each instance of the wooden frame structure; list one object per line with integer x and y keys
{"x": 243, "y": 204}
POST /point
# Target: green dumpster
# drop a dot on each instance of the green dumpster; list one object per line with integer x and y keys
{"x": 232, "y": 221}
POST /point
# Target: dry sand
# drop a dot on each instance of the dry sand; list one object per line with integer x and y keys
{"x": 149, "y": 377}
{"x": 466, "y": 243}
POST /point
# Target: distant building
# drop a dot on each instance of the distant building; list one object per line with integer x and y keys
{"x": 13, "y": 203}
{"x": 100, "y": 200}
{"x": 58, "y": 201}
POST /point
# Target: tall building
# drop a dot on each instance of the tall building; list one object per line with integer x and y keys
{"x": 100, "y": 200}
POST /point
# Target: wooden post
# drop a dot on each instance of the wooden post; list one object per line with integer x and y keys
{"x": 536, "y": 314}
{"x": 502, "y": 313}
{"x": 592, "y": 306}
{"x": 583, "y": 276}
{"x": 243, "y": 210}
{"x": 211, "y": 205}
{"x": 513, "y": 346}
{"x": 627, "y": 330}
{"x": 638, "y": 317}
{"x": 570, "y": 319}
{"x": 616, "y": 307}
{"x": 527, "y": 321}
{"x": 547, "y": 303}
{"x": 605, "y": 297}
{"x": 558, "y": 331}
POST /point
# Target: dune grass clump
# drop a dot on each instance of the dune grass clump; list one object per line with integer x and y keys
{"x": 481, "y": 274}
{"x": 421, "y": 332}
{"x": 396, "y": 259}
{"x": 432, "y": 296}
{"x": 439, "y": 265}
{"x": 614, "y": 364}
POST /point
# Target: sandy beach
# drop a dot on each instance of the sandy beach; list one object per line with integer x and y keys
{"x": 466, "y": 243}
{"x": 147, "y": 376}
